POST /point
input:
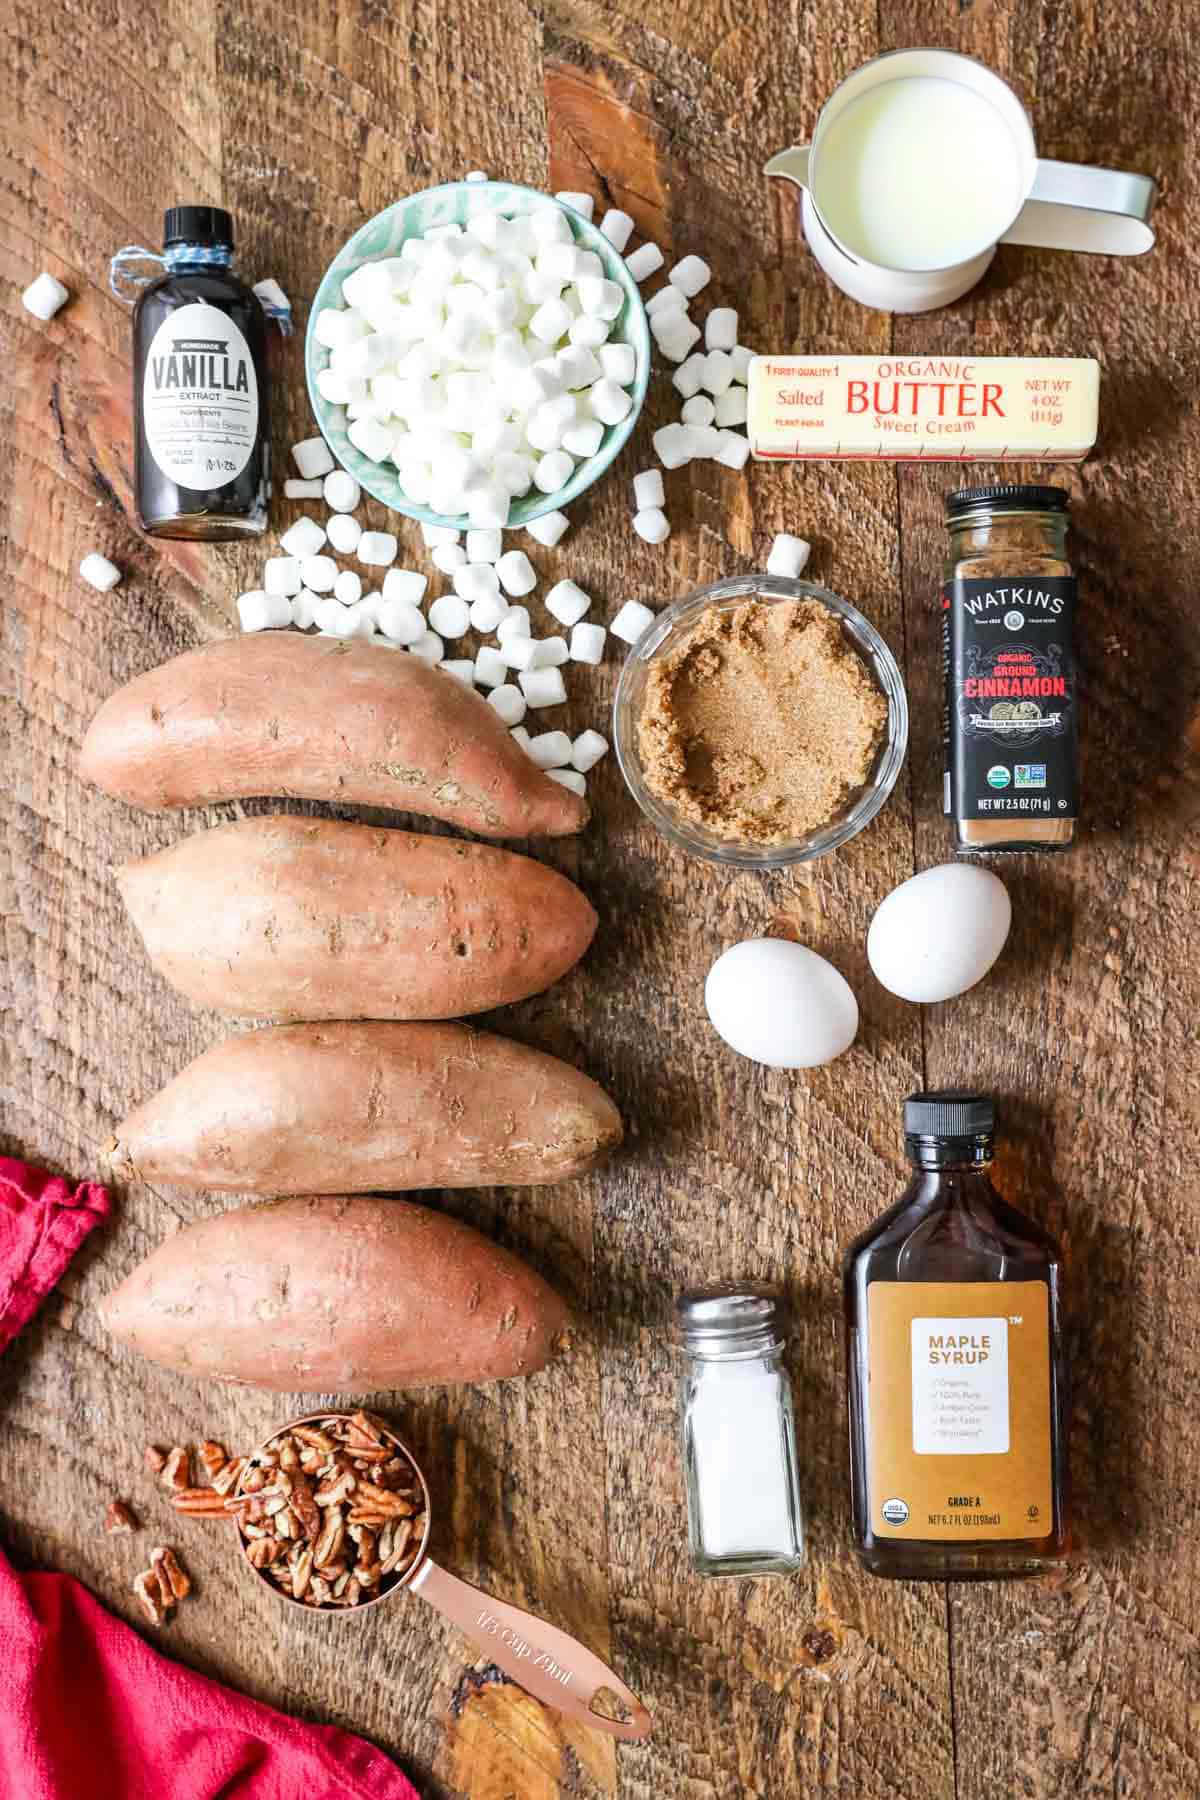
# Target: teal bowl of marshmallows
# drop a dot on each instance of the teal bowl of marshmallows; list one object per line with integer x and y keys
{"x": 477, "y": 355}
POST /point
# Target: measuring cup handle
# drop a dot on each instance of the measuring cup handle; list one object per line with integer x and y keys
{"x": 548, "y": 1663}
{"x": 1074, "y": 207}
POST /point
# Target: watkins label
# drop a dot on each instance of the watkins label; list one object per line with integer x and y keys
{"x": 200, "y": 398}
{"x": 1010, "y": 724}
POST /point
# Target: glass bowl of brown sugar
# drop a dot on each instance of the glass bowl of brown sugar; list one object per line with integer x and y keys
{"x": 760, "y": 722}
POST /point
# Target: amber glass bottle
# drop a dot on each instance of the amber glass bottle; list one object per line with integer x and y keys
{"x": 200, "y": 388}
{"x": 956, "y": 1368}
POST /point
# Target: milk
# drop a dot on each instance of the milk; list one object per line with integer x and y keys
{"x": 918, "y": 173}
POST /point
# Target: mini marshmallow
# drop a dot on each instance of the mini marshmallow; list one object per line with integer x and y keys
{"x": 602, "y": 298}
{"x": 372, "y": 437}
{"x": 522, "y": 652}
{"x": 304, "y": 538}
{"x": 405, "y": 584}
{"x": 676, "y": 338}
{"x": 583, "y": 438}
{"x": 588, "y": 332}
{"x": 516, "y": 572}
{"x": 304, "y": 609}
{"x": 788, "y": 555}
{"x": 617, "y": 227}
{"x": 338, "y": 325}
{"x": 552, "y": 652}
{"x": 718, "y": 371}
{"x": 487, "y": 506}
{"x": 553, "y": 471}
{"x": 578, "y": 366}
{"x": 514, "y": 624}
{"x": 706, "y": 440}
{"x": 730, "y": 408}
{"x": 362, "y": 616}
{"x": 551, "y": 321}
{"x": 377, "y": 548}
{"x": 567, "y": 602}
{"x": 542, "y": 687}
{"x": 699, "y": 410}
{"x": 474, "y": 581}
{"x": 550, "y": 749}
{"x": 318, "y": 573}
{"x": 546, "y": 425}
{"x": 522, "y": 736}
{"x": 333, "y": 619}
{"x": 258, "y": 611}
{"x": 733, "y": 450}
{"x": 632, "y": 622}
{"x": 721, "y": 328}
{"x": 448, "y": 557}
{"x": 487, "y": 612}
{"x": 342, "y": 492}
{"x": 648, "y": 490}
{"x": 43, "y": 298}
{"x": 341, "y": 390}
{"x": 618, "y": 362}
{"x": 609, "y": 402}
{"x": 580, "y": 203}
{"x": 302, "y": 490}
{"x": 568, "y": 778}
{"x": 561, "y": 261}
{"x": 690, "y": 275}
{"x": 428, "y": 648}
{"x": 484, "y": 546}
{"x": 433, "y": 535}
{"x": 450, "y": 616}
{"x": 491, "y": 670}
{"x": 400, "y": 620}
{"x": 742, "y": 358}
{"x": 587, "y": 750}
{"x": 312, "y": 457}
{"x": 643, "y": 262}
{"x": 462, "y": 669}
{"x": 673, "y": 445}
{"x": 689, "y": 375}
{"x": 509, "y": 702}
{"x": 549, "y": 529}
{"x": 587, "y": 643}
{"x": 667, "y": 300}
{"x": 652, "y": 525}
{"x": 549, "y": 225}
{"x": 475, "y": 175}
{"x": 281, "y": 575}
{"x": 347, "y": 587}
{"x": 343, "y": 532}
{"x": 101, "y": 574}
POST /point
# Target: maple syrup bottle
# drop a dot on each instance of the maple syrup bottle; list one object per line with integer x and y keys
{"x": 200, "y": 388}
{"x": 955, "y": 1363}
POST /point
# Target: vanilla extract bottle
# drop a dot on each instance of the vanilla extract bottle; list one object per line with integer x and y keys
{"x": 200, "y": 388}
{"x": 956, "y": 1367}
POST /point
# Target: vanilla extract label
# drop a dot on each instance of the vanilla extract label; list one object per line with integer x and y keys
{"x": 1010, "y": 726}
{"x": 200, "y": 400}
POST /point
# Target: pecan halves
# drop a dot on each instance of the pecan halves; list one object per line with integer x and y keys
{"x": 147, "y": 1589}
{"x": 172, "y": 1577}
{"x": 226, "y": 1477}
{"x": 329, "y": 1544}
{"x": 119, "y": 1517}
{"x": 214, "y": 1456}
{"x": 176, "y": 1472}
{"x": 263, "y": 1551}
{"x": 199, "y": 1503}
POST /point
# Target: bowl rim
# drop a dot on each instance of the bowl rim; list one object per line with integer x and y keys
{"x": 617, "y": 436}
{"x": 729, "y": 592}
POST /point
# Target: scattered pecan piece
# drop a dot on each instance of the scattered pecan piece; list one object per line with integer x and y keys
{"x": 146, "y": 1587}
{"x": 214, "y": 1456}
{"x": 176, "y": 1472}
{"x": 119, "y": 1517}
{"x": 263, "y": 1551}
{"x": 154, "y": 1458}
{"x": 329, "y": 1544}
{"x": 199, "y": 1503}
{"x": 226, "y": 1477}
{"x": 172, "y": 1577}
{"x": 316, "y": 1439}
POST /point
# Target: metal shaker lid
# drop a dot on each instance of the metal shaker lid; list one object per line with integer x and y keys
{"x": 729, "y": 1319}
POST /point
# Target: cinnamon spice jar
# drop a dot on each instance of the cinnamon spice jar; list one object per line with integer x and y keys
{"x": 1010, "y": 722}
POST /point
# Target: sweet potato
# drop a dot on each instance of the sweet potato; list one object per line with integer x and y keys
{"x": 275, "y": 713}
{"x": 293, "y": 918}
{"x": 350, "y": 1108}
{"x": 337, "y": 1295}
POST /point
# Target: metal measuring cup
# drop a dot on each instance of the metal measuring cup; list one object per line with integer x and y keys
{"x": 548, "y": 1663}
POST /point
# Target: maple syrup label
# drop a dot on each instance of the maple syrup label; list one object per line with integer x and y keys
{"x": 200, "y": 398}
{"x": 959, "y": 1410}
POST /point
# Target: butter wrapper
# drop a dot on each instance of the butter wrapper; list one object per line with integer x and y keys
{"x": 923, "y": 408}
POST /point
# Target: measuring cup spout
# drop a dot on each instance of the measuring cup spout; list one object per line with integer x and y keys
{"x": 793, "y": 163}
{"x": 548, "y": 1663}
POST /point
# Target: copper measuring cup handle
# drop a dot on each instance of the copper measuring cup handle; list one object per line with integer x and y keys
{"x": 548, "y": 1663}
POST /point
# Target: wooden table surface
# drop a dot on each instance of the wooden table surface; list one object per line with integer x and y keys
{"x": 564, "y": 1492}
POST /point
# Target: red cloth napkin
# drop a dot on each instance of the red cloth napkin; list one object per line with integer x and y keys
{"x": 91, "y": 1712}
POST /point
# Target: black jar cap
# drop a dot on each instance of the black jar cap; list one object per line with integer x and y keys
{"x": 949, "y": 1113}
{"x": 1009, "y": 497}
{"x": 197, "y": 225}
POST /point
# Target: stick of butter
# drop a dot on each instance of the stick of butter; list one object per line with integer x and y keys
{"x": 929, "y": 408}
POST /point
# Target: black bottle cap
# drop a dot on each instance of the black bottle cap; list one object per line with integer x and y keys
{"x": 1011, "y": 497}
{"x": 949, "y": 1113}
{"x": 197, "y": 225}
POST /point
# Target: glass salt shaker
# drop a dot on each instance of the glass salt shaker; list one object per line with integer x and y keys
{"x": 738, "y": 1434}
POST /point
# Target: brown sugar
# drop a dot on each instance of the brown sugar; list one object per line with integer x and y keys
{"x": 763, "y": 724}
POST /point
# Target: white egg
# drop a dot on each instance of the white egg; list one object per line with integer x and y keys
{"x": 780, "y": 1004}
{"x": 939, "y": 933}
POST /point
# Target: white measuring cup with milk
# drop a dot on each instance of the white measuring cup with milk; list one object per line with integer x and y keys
{"x": 922, "y": 162}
